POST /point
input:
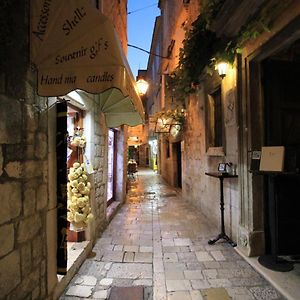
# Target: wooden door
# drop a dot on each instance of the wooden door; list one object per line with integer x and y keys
{"x": 178, "y": 163}
{"x": 281, "y": 80}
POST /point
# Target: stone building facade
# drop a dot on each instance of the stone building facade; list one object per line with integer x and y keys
{"x": 28, "y": 163}
{"x": 153, "y": 103}
{"x": 243, "y": 116}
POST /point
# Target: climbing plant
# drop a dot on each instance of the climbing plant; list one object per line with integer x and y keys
{"x": 202, "y": 49}
{"x": 176, "y": 115}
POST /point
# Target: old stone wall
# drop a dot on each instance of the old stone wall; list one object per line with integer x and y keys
{"x": 23, "y": 167}
{"x": 116, "y": 11}
{"x": 167, "y": 163}
{"x": 100, "y": 166}
{"x": 251, "y": 123}
{"x": 199, "y": 189}
{"x": 173, "y": 28}
{"x": 144, "y": 155}
{"x": 243, "y": 126}
{"x": 170, "y": 11}
{"x": 121, "y": 161}
{"x": 27, "y": 164}
{"x": 24, "y": 190}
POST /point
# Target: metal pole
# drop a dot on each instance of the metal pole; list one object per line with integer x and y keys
{"x": 222, "y": 206}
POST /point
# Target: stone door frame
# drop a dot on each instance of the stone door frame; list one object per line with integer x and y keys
{"x": 251, "y": 239}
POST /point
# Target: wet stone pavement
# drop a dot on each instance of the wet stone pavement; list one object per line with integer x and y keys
{"x": 159, "y": 242}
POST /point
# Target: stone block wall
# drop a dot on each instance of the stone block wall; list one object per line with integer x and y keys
{"x": 116, "y": 11}
{"x": 23, "y": 186}
{"x": 170, "y": 13}
{"x": 143, "y": 159}
{"x": 23, "y": 169}
{"x": 27, "y": 166}
{"x": 98, "y": 142}
{"x": 168, "y": 162}
{"x": 176, "y": 18}
{"x": 121, "y": 163}
{"x": 199, "y": 189}
{"x": 100, "y": 167}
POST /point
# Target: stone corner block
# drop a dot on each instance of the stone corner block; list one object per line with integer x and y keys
{"x": 14, "y": 169}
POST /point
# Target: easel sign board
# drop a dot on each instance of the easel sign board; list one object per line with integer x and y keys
{"x": 272, "y": 159}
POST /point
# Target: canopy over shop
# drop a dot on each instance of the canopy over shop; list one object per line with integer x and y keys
{"x": 74, "y": 46}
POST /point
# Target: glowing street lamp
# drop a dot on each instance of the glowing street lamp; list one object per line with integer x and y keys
{"x": 142, "y": 86}
{"x": 222, "y": 68}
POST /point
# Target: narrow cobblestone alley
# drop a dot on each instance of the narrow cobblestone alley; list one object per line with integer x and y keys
{"x": 158, "y": 241}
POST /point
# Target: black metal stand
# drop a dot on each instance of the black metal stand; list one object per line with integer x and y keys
{"x": 272, "y": 261}
{"x": 222, "y": 235}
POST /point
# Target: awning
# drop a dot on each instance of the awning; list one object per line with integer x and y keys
{"x": 74, "y": 46}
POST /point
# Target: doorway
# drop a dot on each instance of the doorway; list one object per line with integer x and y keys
{"x": 177, "y": 147}
{"x": 282, "y": 128}
{"x": 75, "y": 117}
{"x": 147, "y": 156}
{"x": 111, "y": 167}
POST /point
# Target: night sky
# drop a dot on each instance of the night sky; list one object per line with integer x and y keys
{"x": 140, "y": 29}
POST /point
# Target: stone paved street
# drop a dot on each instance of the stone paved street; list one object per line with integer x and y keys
{"x": 160, "y": 242}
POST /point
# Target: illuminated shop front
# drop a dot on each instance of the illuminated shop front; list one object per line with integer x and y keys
{"x": 84, "y": 73}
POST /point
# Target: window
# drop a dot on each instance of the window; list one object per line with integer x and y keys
{"x": 214, "y": 124}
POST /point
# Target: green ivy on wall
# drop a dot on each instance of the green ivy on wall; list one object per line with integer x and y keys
{"x": 176, "y": 116}
{"x": 202, "y": 49}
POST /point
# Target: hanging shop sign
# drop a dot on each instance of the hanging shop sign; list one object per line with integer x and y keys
{"x": 74, "y": 46}
{"x": 170, "y": 122}
{"x": 163, "y": 125}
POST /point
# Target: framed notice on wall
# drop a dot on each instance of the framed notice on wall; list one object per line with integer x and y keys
{"x": 272, "y": 159}
{"x": 255, "y": 160}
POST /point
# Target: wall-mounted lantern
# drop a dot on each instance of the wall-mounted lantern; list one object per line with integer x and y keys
{"x": 142, "y": 86}
{"x": 222, "y": 68}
